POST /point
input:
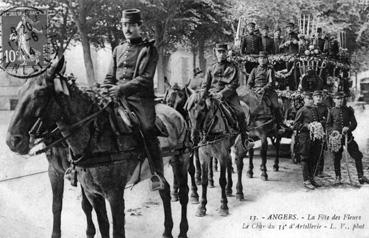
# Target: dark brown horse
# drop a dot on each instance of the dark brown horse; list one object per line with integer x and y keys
{"x": 104, "y": 160}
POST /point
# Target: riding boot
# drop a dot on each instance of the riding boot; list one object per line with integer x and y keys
{"x": 157, "y": 179}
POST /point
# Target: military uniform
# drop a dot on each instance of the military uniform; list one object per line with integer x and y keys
{"x": 267, "y": 44}
{"x": 251, "y": 44}
{"x": 132, "y": 68}
{"x": 222, "y": 78}
{"x": 338, "y": 118}
{"x": 288, "y": 46}
{"x": 308, "y": 149}
{"x": 262, "y": 77}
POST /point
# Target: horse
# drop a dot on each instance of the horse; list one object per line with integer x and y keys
{"x": 104, "y": 160}
{"x": 57, "y": 157}
{"x": 209, "y": 125}
{"x": 262, "y": 125}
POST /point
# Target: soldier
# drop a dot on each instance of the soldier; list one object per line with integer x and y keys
{"x": 319, "y": 40}
{"x": 290, "y": 44}
{"x": 331, "y": 46}
{"x": 308, "y": 149}
{"x": 266, "y": 41}
{"x": 251, "y": 43}
{"x": 322, "y": 117}
{"x": 277, "y": 40}
{"x": 262, "y": 80}
{"x": 341, "y": 118}
{"x": 221, "y": 82}
{"x": 130, "y": 76}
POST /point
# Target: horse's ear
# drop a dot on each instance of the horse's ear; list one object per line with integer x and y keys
{"x": 188, "y": 82}
{"x": 189, "y": 91}
{"x": 166, "y": 82}
{"x": 60, "y": 86}
{"x": 166, "y": 95}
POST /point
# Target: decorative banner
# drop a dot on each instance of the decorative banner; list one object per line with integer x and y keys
{"x": 26, "y": 49}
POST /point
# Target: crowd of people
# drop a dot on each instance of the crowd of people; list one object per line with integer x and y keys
{"x": 256, "y": 40}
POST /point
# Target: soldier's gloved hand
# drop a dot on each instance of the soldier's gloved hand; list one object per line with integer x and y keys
{"x": 345, "y": 130}
{"x": 218, "y": 96}
{"x": 114, "y": 91}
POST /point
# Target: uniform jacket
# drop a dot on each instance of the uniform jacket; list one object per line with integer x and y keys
{"x": 322, "y": 113}
{"x": 304, "y": 116}
{"x": 261, "y": 76}
{"x": 222, "y": 78}
{"x": 251, "y": 44}
{"x": 291, "y": 48}
{"x": 340, "y": 117}
{"x": 133, "y": 67}
{"x": 267, "y": 44}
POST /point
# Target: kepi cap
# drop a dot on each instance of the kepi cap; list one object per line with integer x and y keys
{"x": 131, "y": 16}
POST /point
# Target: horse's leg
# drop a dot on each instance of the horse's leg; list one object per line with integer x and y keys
{"x": 197, "y": 166}
{"x": 211, "y": 172}
{"x": 87, "y": 208}
{"x": 215, "y": 164}
{"x": 224, "y": 211}
{"x": 263, "y": 154}
{"x": 98, "y": 203}
{"x": 201, "y": 211}
{"x": 57, "y": 186}
{"x": 239, "y": 187}
{"x": 168, "y": 220}
{"x": 277, "y": 147}
{"x": 175, "y": 184}
{"x": 180, "y": 173}
{"x": 229, "y": 175}
{"x": 250, "y": 172}
{"x": 191, "y": 170}
{"x": 116, "y": 201}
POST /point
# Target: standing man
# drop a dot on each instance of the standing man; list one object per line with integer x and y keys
{"x": 277, "y": 40}
{"x": 221, "y": 82}
{"x": 130, "y": 76}
{"x": 251, "y": 43}
{"x": 341, "y": 118}
{"x": 266, "y": 42}
{"x": 290, "y": 44}
{"x": 322, "y": 118}
{"x": 308, "y": 149}
{"x": 262, "y": 80}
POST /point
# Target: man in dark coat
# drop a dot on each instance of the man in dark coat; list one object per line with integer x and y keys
{"x": 290, "y": 44}
{"x": 341, "y": 118}
{"x": 308, "y": 149}
{"x": 277, "y": 40}
{"x": 221, "y": 82}
{"x": 130, "y": 76}
{"x": 262, "y": 81}
{"x": 266, "y": 42}
{"x": 251, "y": 43}
{"x": 322, "y": 118}
{"x": 319, "y": 40}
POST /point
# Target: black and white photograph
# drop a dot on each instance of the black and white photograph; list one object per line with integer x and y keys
{"x": 184, "y": 118}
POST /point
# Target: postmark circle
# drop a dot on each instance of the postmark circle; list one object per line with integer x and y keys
{"x": 26, "y": 47}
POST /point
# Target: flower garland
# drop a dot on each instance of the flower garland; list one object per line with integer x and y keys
{"x": 335, "y": 141}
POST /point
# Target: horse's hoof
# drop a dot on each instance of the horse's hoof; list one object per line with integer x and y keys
{"x": 224, "y": 212}
{"x": 167, "y": 236}
{"x": 276, "y": 169}
{"x": 183, "y": 236}
{"x": 58, "y": 235}
{"x": 175, "y": 197}
{"x": 264, "y": 177}
{"x": 201, "y": 212}
{"x": 198, "y": 181}
{"x": 211, "y": 184}
{"x": 250, "y": 174}
{"x": 90, "y": 236}
{"x": 194, "y": 200}
{"x": 229, "y": 193}
{"x": 240, "y": 196}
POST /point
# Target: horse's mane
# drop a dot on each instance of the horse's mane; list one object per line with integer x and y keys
{"x": 192, "y": 100}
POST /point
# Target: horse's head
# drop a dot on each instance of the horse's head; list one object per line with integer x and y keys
{"x": 197, "y": 109}
{"x": 35, "y": 101}
{"x": 175, "y": 96}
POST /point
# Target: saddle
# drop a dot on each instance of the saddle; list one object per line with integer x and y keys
{"x": 125, "y": 121}
{"x": 229, "y": 114}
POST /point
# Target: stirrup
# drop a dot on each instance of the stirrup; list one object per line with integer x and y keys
{"x": 157, "y": 183}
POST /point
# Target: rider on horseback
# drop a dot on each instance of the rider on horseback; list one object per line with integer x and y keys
{"x": 221, "y": 82}
{"x": 262, "y": 80}
{"x": 130, "y": 76}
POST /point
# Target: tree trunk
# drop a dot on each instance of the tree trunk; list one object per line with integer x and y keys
{"x": 202, "y": 59}
{"x": 160, "y": 71}
{"x": 87, "y": 59}
{"x": 194, "y": 54}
